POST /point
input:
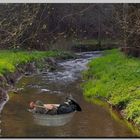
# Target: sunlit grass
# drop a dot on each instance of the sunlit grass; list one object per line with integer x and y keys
{"x": 10, "y": 59}
{"x": 116, "y": 78}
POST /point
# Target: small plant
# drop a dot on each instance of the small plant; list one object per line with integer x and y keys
{"x": 132, "y": 111}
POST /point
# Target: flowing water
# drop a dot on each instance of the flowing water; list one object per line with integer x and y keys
{"x": 53, "y": 87}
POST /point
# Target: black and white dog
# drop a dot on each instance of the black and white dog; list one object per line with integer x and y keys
{"x": 70, "y": 105}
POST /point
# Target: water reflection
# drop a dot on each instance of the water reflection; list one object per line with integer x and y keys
{"x": 53, "y": 120}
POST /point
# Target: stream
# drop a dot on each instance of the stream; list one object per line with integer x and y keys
{"x": 54, "y": 87}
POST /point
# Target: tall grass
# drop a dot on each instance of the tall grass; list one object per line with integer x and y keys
{"x": 116, "y": 78}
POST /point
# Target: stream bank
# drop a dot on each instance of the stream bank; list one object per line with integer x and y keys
{"x": 114, "y": 78}
{"x": 15, "y": 65}
{"x": 54, "y": 87}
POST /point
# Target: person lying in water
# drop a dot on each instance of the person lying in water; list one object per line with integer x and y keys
{"x": 40, "y": 107}
{"x": 68, "y": 106}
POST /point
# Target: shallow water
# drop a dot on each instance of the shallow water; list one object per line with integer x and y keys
{"x": 54, "y": 87}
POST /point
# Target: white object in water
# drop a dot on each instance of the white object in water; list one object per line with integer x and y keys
{"x": 44, "y": 90}
{"x": 53, "y": 120}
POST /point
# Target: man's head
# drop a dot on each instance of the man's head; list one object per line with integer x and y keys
{"x": 32, "y": 105}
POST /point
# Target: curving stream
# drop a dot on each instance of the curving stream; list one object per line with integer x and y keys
{"x": 53, "y": 87}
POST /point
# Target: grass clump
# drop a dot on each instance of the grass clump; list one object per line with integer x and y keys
{"x": 10, "y": 59}
{"x": 116, "y": 78}
{"x": 132, "y": 110}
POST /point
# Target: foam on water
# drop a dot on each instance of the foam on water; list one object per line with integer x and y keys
{"x": 71, "y": 69}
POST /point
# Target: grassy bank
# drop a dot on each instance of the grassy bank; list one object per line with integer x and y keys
{"x": 115, "y": 78}
{"x": 95, "y": 42}
{"x": 10, "y": 59}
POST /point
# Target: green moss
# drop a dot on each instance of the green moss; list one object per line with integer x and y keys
{"x": 115, "y": 77}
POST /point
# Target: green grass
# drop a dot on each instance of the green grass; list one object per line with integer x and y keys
{"x": 116, "y": 78}
{"x": 10, "y": 59}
